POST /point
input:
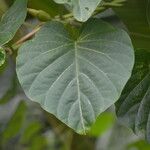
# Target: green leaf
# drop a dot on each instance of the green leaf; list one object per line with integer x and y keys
{"x": 134, "y": 14}
{"x": 2, "y": 57}
{"x": 10, "y": 93}
{"x": 12, "y": 20}
{"x": 139, "y": 145}
{"x": 38, "y": 143}
{"x": 78, "y": 79}
{"x": 148, "y": 12}
{"x": 104, "y": 122}
{"x": 3, "y": 7}
{"x": 48, "y": 6}
{"x": 30, "y": 132}
{"x": 82, "y": 9}
{"x": 14, "y": 125}
{"x": 133, "y": 108}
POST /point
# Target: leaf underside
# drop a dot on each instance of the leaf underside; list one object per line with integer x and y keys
{"x": 133, "y": 108}
{"x": 12, "y": 20}
{"x": 82, "y": 9}
{"x": 76, "y": 80}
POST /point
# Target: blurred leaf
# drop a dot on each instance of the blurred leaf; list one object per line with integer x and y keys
{"x": 80, "y": 142}
{"x": 133, "y": 108}
{"x": 11, "y": 92}
{"x": 117, "y": 138}
{"x": 104, "y": 122}
{"x": 12, "y": 20}
{"x": 2, "y": 56}
{"x": 139, "y": 145}
{"x": 38, "y": 143}
{"x": 3, "y": 7}
{"x": 134, "y": 14}
{"x": 3, "y": 67}
{"x": 15, "y": 124}
{"x": 48, "y": 6}
{"x": 30, "y": 132}
{"x": 148, "y": 12}
{"x": 3, "y": 60}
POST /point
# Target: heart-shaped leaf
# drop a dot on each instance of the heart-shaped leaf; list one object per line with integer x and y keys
{"x": 82, "y": 9}
{"x": 133, "y": 108}
{"x": 12, "y": 20}
{"x": 78, "y": 79}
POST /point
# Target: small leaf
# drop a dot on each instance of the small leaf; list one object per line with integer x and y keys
{"x": 104, "y": 122}
{"x": 2, "y": 56}
{"x": 12, "y": 20}
{"x": 78, "y": 79}
{"x": 133, "y": 108}
{"x": 82, "y": 9}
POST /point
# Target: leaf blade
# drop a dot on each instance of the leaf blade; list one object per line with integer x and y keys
{"x": 68, "y": 79}
{"x": 12, "y": 20}
{"x": 133, "y": 106}
{"x": 135, "y": 16}
{"x": 82, "y": 9}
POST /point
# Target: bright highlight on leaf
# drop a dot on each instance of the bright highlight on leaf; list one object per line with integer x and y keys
{"x": 76, "y": 80}
{"x": 12, "y": 20}
{"x": 2, "y": 56}
{"x": 82, "y": 9}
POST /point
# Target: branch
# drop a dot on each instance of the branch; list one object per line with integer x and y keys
{"x": 25, "y": 38}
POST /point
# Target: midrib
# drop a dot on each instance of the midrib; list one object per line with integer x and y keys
{"x": 78, "y": 88}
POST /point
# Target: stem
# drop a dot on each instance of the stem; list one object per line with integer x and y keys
{"x": 25, "y": 38}
{"x": 44, "y": 16}
{"x": 8, "y": 50}
{"x": 28, "y": 25}
{"x": 70, "y": 15}
{"x": 98, "y": 10}
{"x": 40, "y": 14}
